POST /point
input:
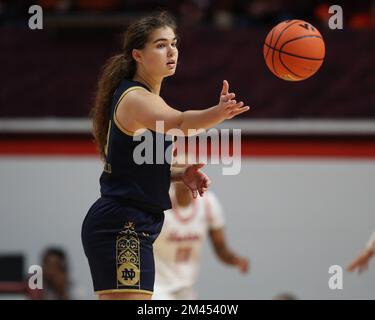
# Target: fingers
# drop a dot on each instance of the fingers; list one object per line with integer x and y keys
{"x": 242, "y": 264}
{"x": 203, "y": 188}
{"x": 245, "y": 268}
{"x": 201, "y": 182}
{"x": 232, "y": 108}
{"x": 198, "y": 166}
{"x": 227, "y": 97}
{"x": 233, "y": 104}
{"x": 200, "y": 191}
{"x": 207, "y": 183}
{"x": 195, "y": 194}
{"x": 238, "y": 111}
{"x": 351, "y": 267}
{"x": 359, "y": 264}
{"x": 225, "y": 89}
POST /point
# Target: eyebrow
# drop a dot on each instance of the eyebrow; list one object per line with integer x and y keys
{"x": 164, "y": 39}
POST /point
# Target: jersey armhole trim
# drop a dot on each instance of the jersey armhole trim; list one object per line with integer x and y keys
{"x": 117, "y": 123}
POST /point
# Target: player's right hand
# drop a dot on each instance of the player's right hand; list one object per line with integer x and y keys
{"x": 361, "y": 262}
{"x": 228, "y": 107}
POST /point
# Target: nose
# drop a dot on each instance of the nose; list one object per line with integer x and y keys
{"x": 171, "y": 52}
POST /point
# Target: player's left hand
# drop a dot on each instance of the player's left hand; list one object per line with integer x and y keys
{"x": 361, "y": 262}
{"x": 242, "y": 264}
{"x": 196, "y": 180}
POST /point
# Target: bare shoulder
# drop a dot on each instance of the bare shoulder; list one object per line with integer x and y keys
{"x": 139, "y": 109}
{"x": 140, "y": 98}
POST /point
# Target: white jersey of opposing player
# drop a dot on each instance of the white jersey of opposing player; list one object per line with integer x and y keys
{"x": 177, "y": 250}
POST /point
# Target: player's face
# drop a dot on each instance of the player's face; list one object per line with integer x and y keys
{"x": 160, "y": 54}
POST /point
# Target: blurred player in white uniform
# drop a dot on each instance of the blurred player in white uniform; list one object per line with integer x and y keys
{"x": 362, "y": 260}
{"x": 178, "y": 248}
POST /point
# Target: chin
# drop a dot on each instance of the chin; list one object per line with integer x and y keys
{"x": 170, "y": 73}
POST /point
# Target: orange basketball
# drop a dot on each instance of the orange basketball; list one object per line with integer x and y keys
{"x": 294, "y": 50}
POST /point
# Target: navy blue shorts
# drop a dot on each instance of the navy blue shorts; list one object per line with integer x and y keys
{"x": 117, "y": 239}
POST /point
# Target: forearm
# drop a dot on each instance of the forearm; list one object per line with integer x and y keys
{"x": 227, "y": 256}
{"x": 200, "y": 119}
{"x": 176, "y": 173}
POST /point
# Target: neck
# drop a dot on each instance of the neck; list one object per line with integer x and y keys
{"x": 153, "y": 84}
{"x": 183, "y": 199}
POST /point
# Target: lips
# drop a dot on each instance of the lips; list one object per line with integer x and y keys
{"x": 171, "y": 63}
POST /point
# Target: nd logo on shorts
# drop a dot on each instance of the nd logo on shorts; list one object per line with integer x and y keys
{"x": 127, "y": 255}
{"x": 128, "y": 274}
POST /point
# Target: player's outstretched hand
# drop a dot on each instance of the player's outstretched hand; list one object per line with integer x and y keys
{"x": 361, "y": 262}
{"x": 228, "y": 107}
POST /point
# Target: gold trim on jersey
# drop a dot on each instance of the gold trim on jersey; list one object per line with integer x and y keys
{"x": 117, "y": 123}
{"x": 107, "y": 141}
{"x": 123, "y": 290}
{"x": 174, "y": 138}
{"x": 107, "y": 167}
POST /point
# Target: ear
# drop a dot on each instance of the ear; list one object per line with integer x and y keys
{"x": 136, "y": 55}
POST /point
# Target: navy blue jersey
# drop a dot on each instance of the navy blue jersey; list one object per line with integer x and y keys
{"x": 144, "y": 185}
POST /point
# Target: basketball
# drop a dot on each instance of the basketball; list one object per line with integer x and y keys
{"x": 294, "y": 50}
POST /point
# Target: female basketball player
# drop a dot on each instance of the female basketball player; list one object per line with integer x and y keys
{"x": 121, "y": 226}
